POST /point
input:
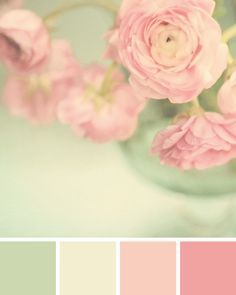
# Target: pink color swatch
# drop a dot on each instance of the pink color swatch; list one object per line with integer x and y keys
{"x": 148, "y": 268}
{"x": 208, "y": 268}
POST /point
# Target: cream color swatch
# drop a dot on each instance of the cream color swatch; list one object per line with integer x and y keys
{"x": 88, "y": 269}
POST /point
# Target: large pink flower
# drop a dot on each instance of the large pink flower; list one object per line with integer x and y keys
{"x": 197, "y": 142}
{"x": 227, "y": 96}
{"x": 101, "y": 114}
{"x": 35, "y": 96}
{"x": 172, "y": 48}
{"x": 24, "y": 40}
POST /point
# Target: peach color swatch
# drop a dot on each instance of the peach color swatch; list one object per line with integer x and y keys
{"x": 148, "y": 268}
{"x": 208, "y": 268}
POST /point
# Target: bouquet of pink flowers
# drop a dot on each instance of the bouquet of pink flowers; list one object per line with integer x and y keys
{"x": 171, "y": 49}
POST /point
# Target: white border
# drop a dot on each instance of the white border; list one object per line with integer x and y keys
{"x": 58, "y": 267}
{"x": 114, "y": 240}
{"x": 117, "y": 267}
{"x": 178, "y": 270}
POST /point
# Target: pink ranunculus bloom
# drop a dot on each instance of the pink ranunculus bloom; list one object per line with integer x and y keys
{"x": 172, "y": 48}
{"x": 24, "y": 40}
{"x": 197, "y": 142}
{"x": 35, "y": 96}
{"x": 101, "y": 115}
{"x": 227, "y": 96}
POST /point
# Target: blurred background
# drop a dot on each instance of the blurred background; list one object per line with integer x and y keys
{"x": 55, "y": 184}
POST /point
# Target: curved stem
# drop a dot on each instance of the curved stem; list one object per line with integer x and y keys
{"x": 107, "y": 79}
{"x": 196, "y": 108}
{"x": 82, "y": 3}
{"x": 230, "y": 58}
{"x": 195, "y": 103}
{"x": 229, "y": 34}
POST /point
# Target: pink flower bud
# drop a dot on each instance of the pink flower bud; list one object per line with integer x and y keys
{"x": 24, "y": 41}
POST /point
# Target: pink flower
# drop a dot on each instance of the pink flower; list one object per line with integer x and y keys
{"x": 227, "y": 96}
{"x": 35, "y": 96}
{"x": 172, "y": 48}
{"x": 24, "y": 40}
{"x": 101, "y": 112}
{"x": 197, "y": 142}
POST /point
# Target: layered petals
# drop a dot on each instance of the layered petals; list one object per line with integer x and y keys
{"x": 36, "y": 96}
{"x": 167, "y": 47}
{"x": 197, "y": 142}
{"x": 101, "y": 116}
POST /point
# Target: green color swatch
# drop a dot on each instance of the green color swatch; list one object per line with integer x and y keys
{"x": 27, "y": 268}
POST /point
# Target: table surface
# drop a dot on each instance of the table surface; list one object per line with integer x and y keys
{"x": 55, "y": 184}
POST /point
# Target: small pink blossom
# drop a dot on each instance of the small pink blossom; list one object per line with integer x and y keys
{"x": 197, "y": 142}
{"x": 24, "y": 40}
{"x": 167, "y": 45}
{"x": 227, "y": 96}
{"x": 101, "y": 114}
{"x": 35, "y": 96}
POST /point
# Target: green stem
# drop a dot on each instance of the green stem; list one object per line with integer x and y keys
{"x": 196, "y": 103}
{"x": 196, "y": 108}
{"x": 82, "y": 3}
{"x": 107, "y": 79}
{"x": 229, "y": 34}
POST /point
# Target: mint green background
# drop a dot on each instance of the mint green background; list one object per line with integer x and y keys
{"x": 27, "y": 268}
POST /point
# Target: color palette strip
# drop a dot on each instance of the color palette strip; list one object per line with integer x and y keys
{"x": 117, "y": 268}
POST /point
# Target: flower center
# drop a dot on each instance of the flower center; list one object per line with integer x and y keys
{"x": 39, "y": 83}
{"x": 169, "y": 45}
{"x": 92, "y": 94}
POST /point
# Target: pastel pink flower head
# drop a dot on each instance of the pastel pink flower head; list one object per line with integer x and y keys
{"x": 197, "y": 142}
{"x": 24, "y": 41}
{"x": 167, "y": 47}
{"x": 126, "y": 7}
{"x": 227, "y": 96}
{"x": 98, "y": 112}
{"x": 35, "y": 96}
